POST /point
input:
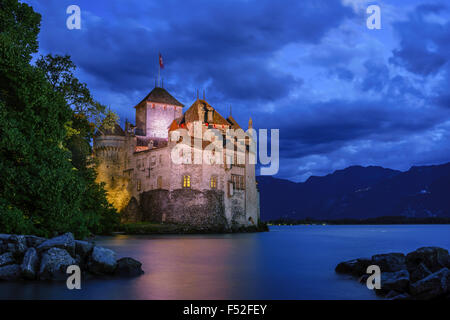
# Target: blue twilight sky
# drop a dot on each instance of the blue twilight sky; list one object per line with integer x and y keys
{"x": 340, "y": 94}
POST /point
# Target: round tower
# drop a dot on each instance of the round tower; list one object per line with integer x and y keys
{"x": 110, "y": 154}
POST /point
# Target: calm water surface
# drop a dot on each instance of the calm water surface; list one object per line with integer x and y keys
{"x": 286, "y": 263}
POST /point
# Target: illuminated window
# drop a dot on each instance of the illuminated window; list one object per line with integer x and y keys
{"x": 159, "y": 182}
{"x": 213, "y": 182}
{"x": 186, "y": 181}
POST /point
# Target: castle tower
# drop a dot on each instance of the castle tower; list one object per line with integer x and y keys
{"x": 109, "y": 150}
{"x": 155, "y": 113}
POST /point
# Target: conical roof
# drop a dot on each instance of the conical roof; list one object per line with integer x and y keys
{"x": 160, "y": 95}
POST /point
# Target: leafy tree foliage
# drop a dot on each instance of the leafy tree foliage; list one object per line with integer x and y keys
{"x": 46, "y": 187}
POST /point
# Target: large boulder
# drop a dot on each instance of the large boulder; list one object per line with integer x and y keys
{"x": 30, "y": 264}
{"x": 65, "y": 241}
{"x": 434, "y": 258}
{"x": 17, "y": 245}
{"x": 420, "y": 272}
{"x": 433, "y": 286}
{"x": 6, "y": 259}
{"x": 10, "y": 272}
{"x": 102, "y": 261}
{"x": 397, "y": 281}
{"x": 356, "y": 267}
{"x": 34, "y": 241}
{"x": 128, "y": 267}
{"x": 54, "y": 264}
{"x": 83, "y": 248}
{"x": 390, "y": 262}
{"x": 4, "y": 237}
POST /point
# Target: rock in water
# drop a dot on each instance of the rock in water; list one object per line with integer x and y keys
{"x": 83, "y": 248}
{"x": 433, "y": 286}
{"x": 390, "y": 262}
{"x": 17, "y": 245}
{"x": 356, "y": 267}
{"x": 29, "y": 264}
{"x": 65, "y": 241}
{"x": 34, "y": 241}
{"x": 397, "y": 281}
{"x": 420, "y": 272}
{"x": 4, "y": 237}
{"x": 394, "y": 295}
{"x": 10, "y": 272}
{"x": 128, "y": 267}
{"x": 54, "y": 264}
{"x": 102, "y": 261}
{"x": 6, "y": 259}
{"x": 434, "y": 258}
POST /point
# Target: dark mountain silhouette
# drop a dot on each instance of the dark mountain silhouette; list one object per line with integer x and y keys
{"x": 359, "y": 193}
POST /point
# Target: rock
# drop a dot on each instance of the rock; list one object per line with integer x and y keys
{"x": 390, "y": 262}
{"x": 393, "y": 295}
{"x": 128, "y": 267}
{"x": 356, "y": 267}
{"x": 29, "y": 264}
{"x": 34, "y": 241}
{"x": 65, "y": 241}
{"x": 434, "y": 258}
{"x": 420, "y": 272}
{"x": 397, "y": 281}
{"x": 54, "y": 264}
{"x": 435, "y": 285}
{"x": 363, "y": 279}
{"x": 102, "y": 261}
{"x": 4, "y": 237}
{"x": 6, "y": 259}
{"x": 17, "y": 245}
{"x": 83, "y": 248}
{"x": 10, "y": 272}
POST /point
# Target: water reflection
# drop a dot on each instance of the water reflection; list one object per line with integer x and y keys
{"x": 286, "y": 263}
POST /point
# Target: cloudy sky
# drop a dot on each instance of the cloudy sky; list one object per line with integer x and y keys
{"x": 340, "y": 94}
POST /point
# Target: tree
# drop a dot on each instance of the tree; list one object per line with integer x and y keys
{"x": 41, "y": 191}
{"x": 59, "y": 71}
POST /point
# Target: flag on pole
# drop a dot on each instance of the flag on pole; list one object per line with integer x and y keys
{"x": 161, "y": 63}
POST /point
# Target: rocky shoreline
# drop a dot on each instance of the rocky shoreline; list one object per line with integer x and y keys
{"x": 28, "y": 257}
{"x": 422, "y": 274}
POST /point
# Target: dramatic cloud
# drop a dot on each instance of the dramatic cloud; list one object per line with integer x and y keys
{"x": 340, "y": 94}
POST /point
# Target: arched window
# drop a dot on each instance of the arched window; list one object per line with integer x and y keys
{"x": 186, "y": 181}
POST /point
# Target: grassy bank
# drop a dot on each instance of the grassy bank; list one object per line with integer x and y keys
{"x": 162, "y": 228}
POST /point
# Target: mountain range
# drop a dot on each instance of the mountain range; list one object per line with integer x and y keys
{"x": 359, "y": 193}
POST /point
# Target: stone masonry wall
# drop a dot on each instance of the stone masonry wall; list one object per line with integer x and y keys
{"x": 185, "y": 206}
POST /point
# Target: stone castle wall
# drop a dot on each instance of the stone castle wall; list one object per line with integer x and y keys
{"x": 182, "y": 206}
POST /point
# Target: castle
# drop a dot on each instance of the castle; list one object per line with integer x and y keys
{"x": 144, "y": 183}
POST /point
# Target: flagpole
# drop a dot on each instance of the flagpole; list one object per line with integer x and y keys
{"x": 159, "y": 71}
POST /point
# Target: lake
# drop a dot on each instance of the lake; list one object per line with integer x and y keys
{"x": 289, "y": 262}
